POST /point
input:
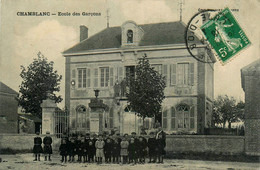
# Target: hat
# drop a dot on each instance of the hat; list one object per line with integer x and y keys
{"x": 37, "y": 133}
{"x": 152, "y": 133}
{"x": 47, "y": 132}
{"x": 133, "y": 133}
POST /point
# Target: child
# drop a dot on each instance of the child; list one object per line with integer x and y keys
{"x": 152, "y": 147}
{"x": 99, "y": 149}
{"x": 71, "y": 149}
{"x": 91, "y": 151}
{"x": 108, "y": 149}
{"x": 94, "y": 143}
{"x": 132, "y": 150}
{"x": 63, "y": 150}
{"x": 161, "y": 145}
{"x": 86, "y": 147}
{"x": 116, "y": 149}
{"x": 37, "y": 148}
{"x": 124, "y": 149}
{"x": 142, "y": 149}
{"x": 81, "y": 149}
{"x": 47, "y": 150}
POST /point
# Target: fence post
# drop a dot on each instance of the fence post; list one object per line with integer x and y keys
{"x": 48, "y": 110}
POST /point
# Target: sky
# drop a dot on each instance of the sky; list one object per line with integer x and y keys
{"x": 22, "y": 37}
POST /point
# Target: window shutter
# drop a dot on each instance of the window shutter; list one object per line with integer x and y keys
{"x": 96, "y": 77}
{"x": 88, "y": 77}
{"x": 173, "y": 74}
{"x": 191, "y": 71}
{"x": 111, "y": 72}
{"x": 165, "y": 120}
{"x": 165, "y": 73}
{"x": 120, "y": 74}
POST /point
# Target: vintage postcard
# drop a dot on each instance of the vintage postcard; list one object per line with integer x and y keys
{"x": 133, "y": 84}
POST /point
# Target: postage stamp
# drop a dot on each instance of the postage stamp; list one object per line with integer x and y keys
{"x": 225, "y": 35}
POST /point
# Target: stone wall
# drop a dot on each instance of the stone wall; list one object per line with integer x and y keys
{"x": 230, "y": 145}
{"x": 22, "y": 141}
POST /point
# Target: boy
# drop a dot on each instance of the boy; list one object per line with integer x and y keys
{"x": 124, "y": 149}
{"x": 116, "y": 149}
{"x": 94, "y": 143}
{"x": 47, "y": 149}
{"x": 132, "y": 151}
{"x": 161, "y": 143}
{"x": 152, "y": 147}
{"x": 99, "y": 149}
{"x": 91, "y": 151}
{"x": 86, "y": 148}
{"x": 81, "y": 149}
{"x": 108, "y": 149}
{"x": 71, "y": 149}
{"x": 63, "y": 150}
{"x": 141, "y": 153}
{"x": 37, "y": 148}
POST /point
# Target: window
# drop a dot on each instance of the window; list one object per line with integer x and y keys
{"x": 104, "y": 78}
{"x": 183, "y": 73}
{"x": 157, "y": 67}
{"x": 82, "y": 77}
{"x": 165, "y": 119}
{"x": 173, "y": 118}
{"x": 129, "y": 36}
{"x": 130, "y": 71}
{"x": 95, "y": 77}
{"x": 183, "y": 116}
{"x": 82, "y": 117}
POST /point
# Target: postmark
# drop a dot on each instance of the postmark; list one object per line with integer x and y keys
{"x": 194, "y": 38}
{"x": 225, "y": 35}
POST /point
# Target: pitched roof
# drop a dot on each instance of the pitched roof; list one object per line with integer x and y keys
{"x": 154, "y": 34}
{"x": 5, "y": 89}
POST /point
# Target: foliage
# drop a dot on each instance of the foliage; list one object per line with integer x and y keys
{"x": 226, "y": 109}
{"x": 146, "y": 90}
{"x": 39, "y": 79}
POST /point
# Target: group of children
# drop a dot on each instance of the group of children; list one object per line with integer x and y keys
{"x": 113, "y": 148}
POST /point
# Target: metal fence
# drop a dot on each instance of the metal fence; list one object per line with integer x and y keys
{"x": 61, "y": 122}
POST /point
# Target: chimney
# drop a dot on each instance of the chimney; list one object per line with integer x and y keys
{"x": 83, "y": 32}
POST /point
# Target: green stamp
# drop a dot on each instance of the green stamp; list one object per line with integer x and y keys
{"x": 225, "y": 35}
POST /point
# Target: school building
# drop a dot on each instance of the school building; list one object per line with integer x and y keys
{"x": 103, "y": 60}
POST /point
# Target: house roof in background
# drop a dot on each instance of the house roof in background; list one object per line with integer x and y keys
{"x": 5, "y": 89}
{"x": 154, "y": 34}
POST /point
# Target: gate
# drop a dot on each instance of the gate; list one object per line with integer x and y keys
{"x": 61, "y": 122}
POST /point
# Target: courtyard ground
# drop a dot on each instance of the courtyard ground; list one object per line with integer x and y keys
{"x": 25, "y": 162}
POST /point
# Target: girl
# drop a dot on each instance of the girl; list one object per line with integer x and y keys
{"x": 124, "y": 149}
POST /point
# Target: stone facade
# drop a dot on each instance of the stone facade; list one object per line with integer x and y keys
{"x": 103, "y": 61}
{"x": 251, "y": 86}
{"x": 8, "y": 110}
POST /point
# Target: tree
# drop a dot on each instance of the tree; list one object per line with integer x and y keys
{"x": 227, "y": 110}
{"x": 146, "y": 90}
{"x": 39, "y": 79}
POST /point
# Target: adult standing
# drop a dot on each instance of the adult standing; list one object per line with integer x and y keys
{"x": 37, "y": 148}
{"x": 47, "y": 149}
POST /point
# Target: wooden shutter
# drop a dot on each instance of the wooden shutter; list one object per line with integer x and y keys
{"x": 165, "y": 120}
{"x": 111, "y": 76}
{"x": 73, "y": 74}
{"x": 96, "y": 77}
{"x": 164, "y": 73}
{"x": 88, "y": 77}
{"x": 120, "y": 74}
{"x": 191, "y": 74}
{"x": 173, "y": 74}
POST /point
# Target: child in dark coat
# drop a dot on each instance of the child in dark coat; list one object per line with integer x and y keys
{"x": 47, "y": 149}
{"x": 132, "y": 148}
{"x": 152, "y": 144}
{"x": 116, "y": 149}
{"x": 108, "y": 150}
{"x": 71, "y": 149}
{"x": 63, "y": 150}
{"x": 91, "y": 150}
{"x": 37, "y": 148}
{"x": 141, "y": 153}
{"x": 161, "y": 143}
{"x": 81, "y": 149}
